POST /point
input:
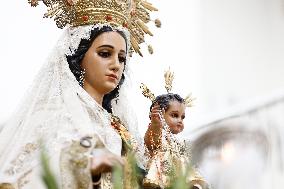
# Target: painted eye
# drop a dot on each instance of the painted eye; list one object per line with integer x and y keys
{"x": 183, "y": 116}
{"x": 174, "y": 115}
{"x": 122, "y": 60}
{"x": 104, "y": 54}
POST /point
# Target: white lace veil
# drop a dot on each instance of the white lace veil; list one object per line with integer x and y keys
{"x": 51, "y": 111}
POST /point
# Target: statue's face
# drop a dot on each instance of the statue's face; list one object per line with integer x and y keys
{"x": 174, "y": 116}
{"x": 104, "y": 63}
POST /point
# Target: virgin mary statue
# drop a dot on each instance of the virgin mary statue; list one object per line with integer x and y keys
{"x": 77, "y": 107}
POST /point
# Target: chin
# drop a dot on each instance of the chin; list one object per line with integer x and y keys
{"x": 176, "y": 130}
{"x": 109, "y": 88}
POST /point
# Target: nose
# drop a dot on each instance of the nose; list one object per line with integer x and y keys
{"x": 115, "y": 64}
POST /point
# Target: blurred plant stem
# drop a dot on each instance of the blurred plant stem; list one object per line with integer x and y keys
{"x": 47, "y": 175}
{"x": 128, "y": 177}
{"x": 117, "y": 177}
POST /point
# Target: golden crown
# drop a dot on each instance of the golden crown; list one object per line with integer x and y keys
{"x": 169, "y": 77}
{"x": 130, "y": 14}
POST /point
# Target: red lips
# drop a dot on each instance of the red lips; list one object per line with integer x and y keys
{"x": 113, "y": 76}
{"x": 180, "y": 126}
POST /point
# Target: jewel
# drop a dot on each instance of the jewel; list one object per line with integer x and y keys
{"x": 33, "y": 3}
{"x": 132, "y": 13}
{"x": 125, "y": 25}
{"x": 85, "y": 18}
{"x": 108, "y": 18}
{"x": 70, "y": 2}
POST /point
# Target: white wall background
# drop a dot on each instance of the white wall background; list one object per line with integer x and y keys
{"x": 242, "y": 51}
{"x": 226, "y": 52}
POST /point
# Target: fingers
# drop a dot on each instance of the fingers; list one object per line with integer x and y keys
{"x": 104, "y": 161}
{"x": 110, "y": 163}
{"x": 116, "y": 160}
{"x": 156, "y": 108}
{"x": 163, "y": 111}
{"x": 155, "y": 115}
{"x": 155, "y": 111}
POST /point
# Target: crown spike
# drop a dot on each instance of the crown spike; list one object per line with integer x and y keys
{"x": 144, "y": 27}
{"x": 148, "y": 6}
{"x": 150, "y": 49}
{"x": 188, "y": 101}
{"x": 169, "y": 77}
{"x": 135, "y": 46}
{"x": 158, "y": 23}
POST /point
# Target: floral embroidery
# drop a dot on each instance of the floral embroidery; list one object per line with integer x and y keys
{"x": 74, "y": 166}
{"x": 22, "y": 180}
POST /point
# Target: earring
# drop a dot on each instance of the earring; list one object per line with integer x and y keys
{"x": 82, "y": 77}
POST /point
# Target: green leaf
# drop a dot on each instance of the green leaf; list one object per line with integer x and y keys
{"x": 47, "y": 175}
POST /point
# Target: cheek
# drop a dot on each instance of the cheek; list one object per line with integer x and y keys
{"x": 89, "y": 57}
{"x": 94, "y": 72}
{"x": 120, "y": 72}
{"x": 99, "y": 64}
{"x": 121, "y": 69}
{"x": 171, "y": 122}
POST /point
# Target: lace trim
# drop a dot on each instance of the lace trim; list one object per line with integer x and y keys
{"x": 23, "y": 156}
{"x": 23, "y": 180}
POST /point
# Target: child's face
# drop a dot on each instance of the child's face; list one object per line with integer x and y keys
{"x": 174, "y": 116}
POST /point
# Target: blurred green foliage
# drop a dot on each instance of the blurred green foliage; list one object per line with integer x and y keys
{"x": 127, "y": 177}
{"x": 47, "y": 175}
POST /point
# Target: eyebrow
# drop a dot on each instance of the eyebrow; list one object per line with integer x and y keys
{"x": 109, "y": 46}
{"x": 174, "y": 111}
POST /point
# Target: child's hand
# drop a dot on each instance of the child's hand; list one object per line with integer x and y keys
{"x": 153, "y": 134}
{"x": 155, "y": 116}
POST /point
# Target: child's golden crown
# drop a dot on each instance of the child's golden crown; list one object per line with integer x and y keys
{"x": 169, "y": 77}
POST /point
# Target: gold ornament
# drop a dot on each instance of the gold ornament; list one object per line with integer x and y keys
{"x": 188, "y": 101}
{"x": 150, "y": 49}
{"x": 33, "y": 3}
{"x": 169, "y": 77}
{"x": 130, "y": 14}
{"x": 158, "y": 23}
{"x": 146, "y": 92}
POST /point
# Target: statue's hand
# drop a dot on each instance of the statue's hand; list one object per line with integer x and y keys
{"x": 104, "y": 161}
